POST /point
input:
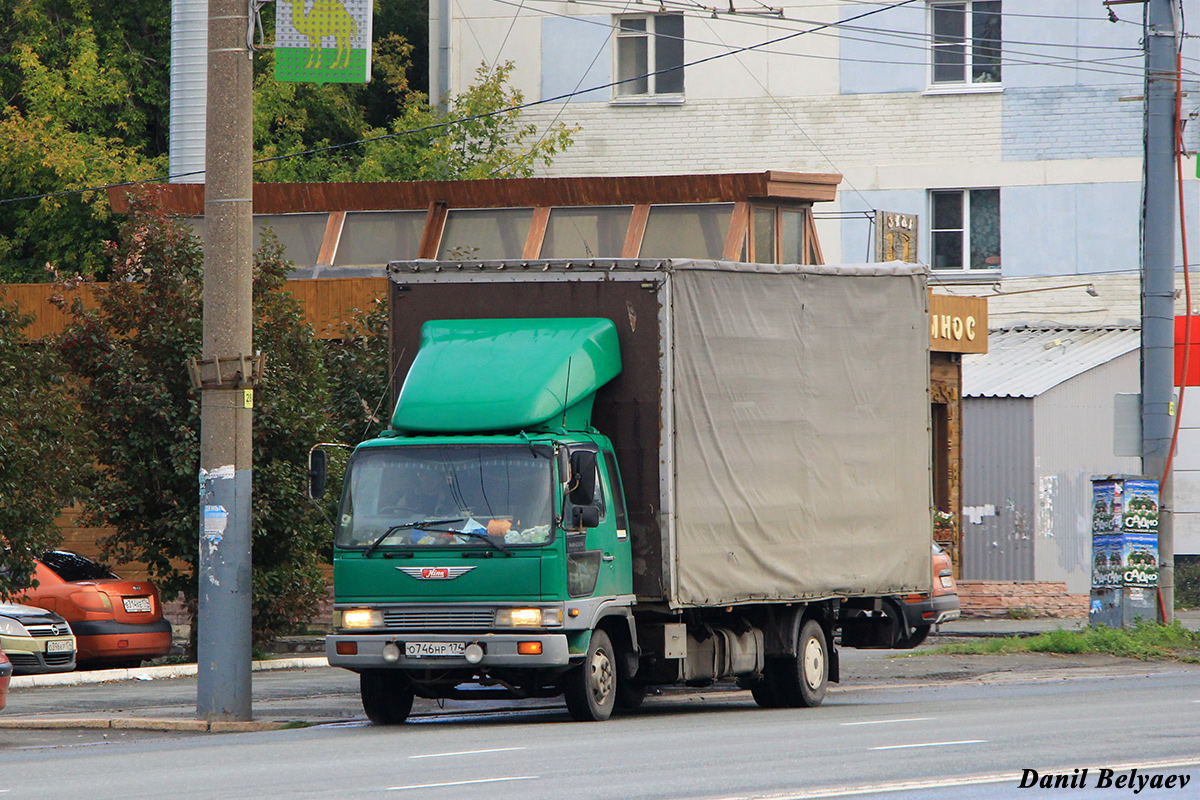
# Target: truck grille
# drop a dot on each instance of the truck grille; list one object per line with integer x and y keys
{"x": 423, "y": 619}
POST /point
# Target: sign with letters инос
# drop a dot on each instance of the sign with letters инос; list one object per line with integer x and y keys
{"x": 323, "y": 41}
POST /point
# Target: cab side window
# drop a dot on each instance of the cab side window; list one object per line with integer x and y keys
{"x": 618, "y": 495}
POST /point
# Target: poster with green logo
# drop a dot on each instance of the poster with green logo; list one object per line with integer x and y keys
{"x": 323, "y": 41}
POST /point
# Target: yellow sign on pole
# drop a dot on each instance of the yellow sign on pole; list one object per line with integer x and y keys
{"x": 323, "y": 41}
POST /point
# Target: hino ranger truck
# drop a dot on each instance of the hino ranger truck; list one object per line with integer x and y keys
{"x": 605, "y": 477}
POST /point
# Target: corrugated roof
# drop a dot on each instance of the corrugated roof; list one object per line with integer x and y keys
{"x": 1025, "y": 362}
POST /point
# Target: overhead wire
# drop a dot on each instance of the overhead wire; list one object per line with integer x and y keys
{"x": 908, "y": 40}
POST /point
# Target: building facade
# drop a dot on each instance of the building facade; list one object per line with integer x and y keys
{"x": 1013, "y": 128}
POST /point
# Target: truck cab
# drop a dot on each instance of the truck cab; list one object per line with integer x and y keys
{"x": 477, "y": 544}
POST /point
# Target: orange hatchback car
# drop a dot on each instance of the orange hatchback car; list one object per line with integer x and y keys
{"x": 117, "y": 623}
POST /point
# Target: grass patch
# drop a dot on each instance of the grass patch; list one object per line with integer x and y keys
{"x": 1147, "y": 641}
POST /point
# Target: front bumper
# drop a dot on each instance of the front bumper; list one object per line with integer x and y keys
{"x": 29, "y": 655}
{"x": 499, "y": 650}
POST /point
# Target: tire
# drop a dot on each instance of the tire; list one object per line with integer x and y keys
{"x": 591, "y": 688}
{"x": 764, "y": 693}
{"x": 801, "y": 681}
{"x": 387, "y": 696}
{"x": 630, "y": 695}
{"x": 915, "y": 638}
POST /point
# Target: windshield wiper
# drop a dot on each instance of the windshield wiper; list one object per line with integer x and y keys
{"x": 486, "y": 538}
{"x": 423, "y": 524}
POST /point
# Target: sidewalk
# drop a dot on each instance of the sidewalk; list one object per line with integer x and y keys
{"x": 299, "y": 688}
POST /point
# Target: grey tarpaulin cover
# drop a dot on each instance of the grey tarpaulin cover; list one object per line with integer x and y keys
{"x": 801, "y": 432}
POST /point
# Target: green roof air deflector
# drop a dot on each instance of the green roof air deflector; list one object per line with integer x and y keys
{"x": 480, "y": 375}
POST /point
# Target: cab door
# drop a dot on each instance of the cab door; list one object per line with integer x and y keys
{"x": 611, "y": 536}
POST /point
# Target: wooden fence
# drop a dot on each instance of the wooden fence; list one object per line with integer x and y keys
{"x": 326, "y": 301}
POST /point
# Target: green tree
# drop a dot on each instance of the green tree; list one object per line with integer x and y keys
{"x": 43, "y": 451}
{"x": 358, "y": 365}
{"x": 70, "y": 123}
{"x": 131, "y": 353}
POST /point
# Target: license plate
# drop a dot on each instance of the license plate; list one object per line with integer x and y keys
{"x": 434, "y": 649}
{"x": 59, "y": 646}
{"x": 135, "y": 604}
{"x": 947, "y": 581}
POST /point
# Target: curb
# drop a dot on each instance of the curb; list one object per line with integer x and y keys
{"x": 152, "y": 673}
{"x": 144, "y": 724}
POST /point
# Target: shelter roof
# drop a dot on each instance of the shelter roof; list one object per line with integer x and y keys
{"x": 1026, "y": 362}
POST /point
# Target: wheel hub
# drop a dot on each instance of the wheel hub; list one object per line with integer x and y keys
{"x": 814, "y": 663}
{"x": 603, "y": 677}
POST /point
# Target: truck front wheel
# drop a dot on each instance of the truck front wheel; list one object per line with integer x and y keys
{"x": 387, "y": 695}
{"x": 591, "y": 688}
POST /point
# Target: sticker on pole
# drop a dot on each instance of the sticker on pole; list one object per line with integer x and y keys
{"x": 323, "y": 41}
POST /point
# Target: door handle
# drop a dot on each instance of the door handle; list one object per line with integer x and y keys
{"x": 607, "y": 557}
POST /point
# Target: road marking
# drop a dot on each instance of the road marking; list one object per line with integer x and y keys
{"x": 462, "y": 783}
{"x": 469, "y": 752}
{"x": 889, "y": 721}
{"x": 928, "y": 744}
{"x": 943, "y": 783}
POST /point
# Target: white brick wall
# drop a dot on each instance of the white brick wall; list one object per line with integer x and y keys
{"x": 829, "y": 134}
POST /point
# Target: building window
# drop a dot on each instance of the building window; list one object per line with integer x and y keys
{"x": 965, "y": 229}
{"x": 965, "y": 42}
{"x": 650, "y": 55}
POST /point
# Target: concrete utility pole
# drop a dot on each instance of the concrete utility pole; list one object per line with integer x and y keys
{"x": 1158, "y": 278}
{"x": 226, "y": 372}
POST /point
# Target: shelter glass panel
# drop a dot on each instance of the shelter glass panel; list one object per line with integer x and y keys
{"x": 485, "y": 234}
{"x": 300, "y": 234}
{"x": 692, "y": 231}
{"x": 377, "y": 237}
{"x": 586, "y": 232}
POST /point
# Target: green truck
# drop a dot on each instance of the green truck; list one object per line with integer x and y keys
{"x": 609, "y": 476}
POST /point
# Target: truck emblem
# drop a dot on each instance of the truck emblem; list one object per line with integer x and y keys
{"x": 434, "y": 573}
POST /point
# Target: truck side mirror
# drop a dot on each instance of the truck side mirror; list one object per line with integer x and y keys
{"x": 317, "y": 464}
{"x": 583, "y": 477}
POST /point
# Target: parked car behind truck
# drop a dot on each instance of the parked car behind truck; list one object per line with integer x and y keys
{"x": 117, "y": 623}
{"x": 603, "y": 478}
{"x": 36, "y": 640}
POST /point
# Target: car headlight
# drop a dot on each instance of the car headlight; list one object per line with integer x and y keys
{"x": 528, "y": 617}
{"x": 362, "y": 618}
{"x": 10, "y": 627}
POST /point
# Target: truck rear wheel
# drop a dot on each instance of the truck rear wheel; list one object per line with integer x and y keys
{"x": 798, "y": 681}
{"x": 591, "y": 688}
{"x": 387, "y": 696}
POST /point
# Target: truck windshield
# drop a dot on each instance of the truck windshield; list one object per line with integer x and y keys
{"x": 497, "y": 492}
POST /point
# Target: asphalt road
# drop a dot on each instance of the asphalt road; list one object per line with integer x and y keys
{"x": 930, "y": 727}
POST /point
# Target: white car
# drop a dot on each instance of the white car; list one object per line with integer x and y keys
{"x": 36, "y": 640}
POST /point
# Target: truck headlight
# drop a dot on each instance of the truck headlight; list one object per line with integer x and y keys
{"x": 528, "y": 617}
{"x": 362, "y": 618}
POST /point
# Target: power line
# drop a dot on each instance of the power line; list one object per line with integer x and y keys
{"x": 909, "y": 41}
